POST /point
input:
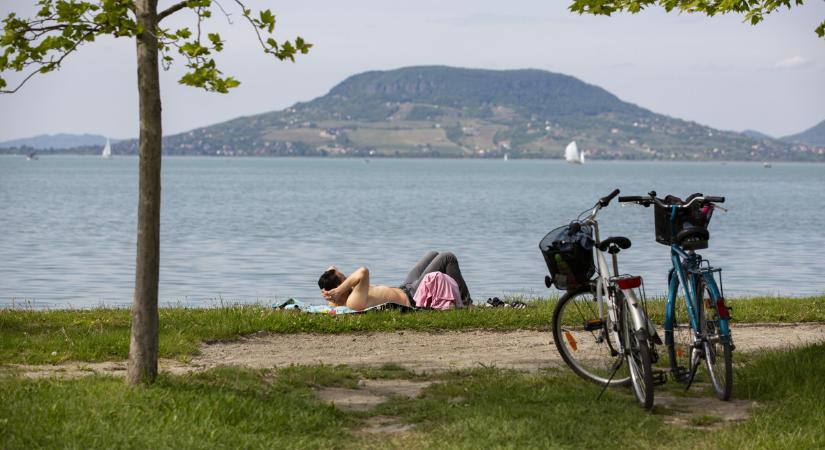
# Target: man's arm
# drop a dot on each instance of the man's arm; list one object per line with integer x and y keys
{"x": 350, "y": 289}
{"x": 357, "y": 288}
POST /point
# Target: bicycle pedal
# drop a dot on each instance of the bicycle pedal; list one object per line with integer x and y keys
{"x": 593, "y": 324}
{"x": 659, "y": 377}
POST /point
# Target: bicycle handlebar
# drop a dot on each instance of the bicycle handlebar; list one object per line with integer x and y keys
{"x": 651, "y": 198}
{"x": 632, "y": 198}
{"x": 604, "y": 201}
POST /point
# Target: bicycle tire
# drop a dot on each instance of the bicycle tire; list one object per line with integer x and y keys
{"x": 679, "y": 339}
{"x": 589, "y": 353}
{"x": 637, "y": 358}
{"x": 717, "y": 352}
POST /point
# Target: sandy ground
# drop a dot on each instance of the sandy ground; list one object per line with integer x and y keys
{"x": 417, "y": 351}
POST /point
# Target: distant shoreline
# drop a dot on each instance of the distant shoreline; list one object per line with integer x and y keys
{"x": 513, "y": 157}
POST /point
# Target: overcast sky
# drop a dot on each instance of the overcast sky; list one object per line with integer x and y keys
{"x": 715, "y": 71}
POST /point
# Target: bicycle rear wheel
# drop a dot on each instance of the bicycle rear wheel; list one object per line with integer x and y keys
{"x": 581, "y": 335}
{"x": 638, "y": 358}
{"x": 718, "y": 350}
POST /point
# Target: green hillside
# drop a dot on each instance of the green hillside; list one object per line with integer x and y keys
{"x": 444, "y": 111}
{"x": 812, "y": 136}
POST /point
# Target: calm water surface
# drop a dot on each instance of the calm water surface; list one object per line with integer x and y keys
{"x": 264, "y": 229}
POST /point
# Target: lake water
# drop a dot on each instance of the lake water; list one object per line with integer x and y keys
{"x": 247, "y": 230}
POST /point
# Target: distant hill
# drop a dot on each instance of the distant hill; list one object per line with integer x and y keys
{"x": 757, "y": 134}
{"x": 56, "y": 141}
{"x": 445, "y": 111}
{"x": 814, "y": 135}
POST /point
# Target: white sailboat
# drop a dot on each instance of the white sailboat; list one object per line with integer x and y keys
{"x": 572, "y": 154}
{"x": 506, "y": 156}
{"x": 107, "y": 150}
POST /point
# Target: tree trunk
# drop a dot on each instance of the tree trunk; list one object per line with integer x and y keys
{"x": 143, "y": 346}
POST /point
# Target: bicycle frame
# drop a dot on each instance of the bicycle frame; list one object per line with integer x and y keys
{"x": 603, "y": 284}
{"x": 682, "y": 260}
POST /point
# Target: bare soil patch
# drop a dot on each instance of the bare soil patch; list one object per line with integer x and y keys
{"x": 702, "y": 412}
{"x": 370, "y": 393}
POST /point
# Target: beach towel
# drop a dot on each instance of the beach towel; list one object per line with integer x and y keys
{"x": 324, "y": 309}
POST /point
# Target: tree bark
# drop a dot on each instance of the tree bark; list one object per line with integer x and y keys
{"x": 143, "y": 346}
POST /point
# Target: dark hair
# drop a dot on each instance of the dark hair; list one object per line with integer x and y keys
{"x": 329, "y": 280}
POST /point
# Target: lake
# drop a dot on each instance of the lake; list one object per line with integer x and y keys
{"x": 263, "y": 230}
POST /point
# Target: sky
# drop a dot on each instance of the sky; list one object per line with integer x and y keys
{"x": 716, "y": 71}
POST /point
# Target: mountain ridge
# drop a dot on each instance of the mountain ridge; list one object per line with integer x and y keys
{"x": 813, "y": 136}
{"x": 56, "y": 141}
{"x": 441, "y": 111}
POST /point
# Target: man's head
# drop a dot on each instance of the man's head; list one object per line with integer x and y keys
{"x": 331, "y": 279}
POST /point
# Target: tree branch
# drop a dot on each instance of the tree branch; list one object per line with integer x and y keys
{"x": 51, "y": 64}
{"x": 254, "y": 27}
{"x": 172, "y": 10}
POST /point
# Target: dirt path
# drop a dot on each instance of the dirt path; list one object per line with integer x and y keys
{"x": 417, "y": 351}
{"x": 427, "y": 352}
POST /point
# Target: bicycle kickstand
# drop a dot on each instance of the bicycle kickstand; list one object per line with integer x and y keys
{"x": 694, "y": 367}
{"x": 616, "y": 367}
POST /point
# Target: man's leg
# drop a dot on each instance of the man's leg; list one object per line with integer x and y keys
{"x": 418, "y": 270}
{"x": 446, "y": 262}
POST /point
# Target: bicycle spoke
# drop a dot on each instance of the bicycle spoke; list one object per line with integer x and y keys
{"x": 582, "y": 338}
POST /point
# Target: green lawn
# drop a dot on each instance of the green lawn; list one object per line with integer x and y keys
{"x": 482, "y": 408}
{"x": 34, "y": 337}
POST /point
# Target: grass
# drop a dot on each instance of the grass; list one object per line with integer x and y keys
{"x": 481, "y": 408}
{"x": 36, "y": 337}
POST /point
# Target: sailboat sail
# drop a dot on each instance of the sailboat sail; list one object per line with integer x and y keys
{"x": 107, "y": 150}
{"x": 572, "y": 155}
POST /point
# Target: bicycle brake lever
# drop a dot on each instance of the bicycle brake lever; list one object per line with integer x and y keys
{"x": 719, "y": 207}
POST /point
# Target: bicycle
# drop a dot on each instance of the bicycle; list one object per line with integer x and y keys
{"x": 698, "y": 328}
{"x": 601, "y": 323}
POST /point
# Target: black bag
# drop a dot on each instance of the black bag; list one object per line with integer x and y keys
{"x": 568, "y": 252}
{"x": 697, "y": 216}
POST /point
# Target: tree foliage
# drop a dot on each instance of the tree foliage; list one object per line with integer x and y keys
{"x": 40, "y": 44}
{"x": 754, "y": 10}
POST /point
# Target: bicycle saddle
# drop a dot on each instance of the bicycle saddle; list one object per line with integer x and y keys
{"x": 621, "y": 242}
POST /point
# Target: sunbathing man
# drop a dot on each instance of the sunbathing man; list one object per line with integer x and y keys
{"x": 356, "y": 292}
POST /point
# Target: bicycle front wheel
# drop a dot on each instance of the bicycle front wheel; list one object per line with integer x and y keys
{"x": 581, "y": 333}
{"x": 718, "y": 351}
{"x": 638, "y": 357}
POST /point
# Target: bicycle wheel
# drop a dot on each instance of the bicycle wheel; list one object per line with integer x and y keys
{"x": 718, "y": 352}
{"x": 638, "y": 358}
{"x": 583, "y": 340}
{"x": 679, "y": 339}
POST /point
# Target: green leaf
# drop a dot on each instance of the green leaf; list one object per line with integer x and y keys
{"x": 267, "y": 20}
{"x": 183, "y": 33}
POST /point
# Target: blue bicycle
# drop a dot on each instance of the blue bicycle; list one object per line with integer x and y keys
{"x": 698, "y": 328}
